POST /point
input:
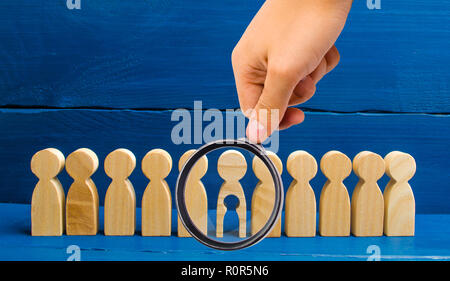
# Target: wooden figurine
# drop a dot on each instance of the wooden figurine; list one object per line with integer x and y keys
{"x": 47, "y": 203}
{"x": 82, "y": 198}
{"x": 231, "y": 167}
{"x": 300, "y": 213}
{"x": 120, "y": 199}
{"x": 399, "y": 204}
{"x": 367, "y": 203}
{"x": 195, "y": 194}
{"x": 263, "y": 198}
{"x": 157, "y": 201}
{"x": 334, "y": 203}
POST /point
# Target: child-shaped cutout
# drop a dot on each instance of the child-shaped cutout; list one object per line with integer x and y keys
{"x": 300, "y": 220}
{"x": 82, "y": 198}
{"x": 120, "y": 199}
{"x": 47, "y": 203}
{"x": 367, "y": 200}
{"x": 231, "y": 167}
{"x": 157, "y": 201}
{"x": 399, "y": 203}
{"x": 263, "y": 198}
{"x": 195, "y": 195}
{"x": 334, "y": 204}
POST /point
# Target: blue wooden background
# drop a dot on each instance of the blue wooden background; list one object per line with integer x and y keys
{"x": 109, "y": 76}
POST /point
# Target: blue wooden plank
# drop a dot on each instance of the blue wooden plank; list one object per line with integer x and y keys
{"x": 25, "y": 132}
{"x": 128, "y": 55}
{"x": 431, "y": 242}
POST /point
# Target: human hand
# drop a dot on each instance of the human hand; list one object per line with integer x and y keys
{"x": 286, "y": 49}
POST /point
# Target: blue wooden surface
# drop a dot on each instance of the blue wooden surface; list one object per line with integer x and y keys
{"x": 136, "y": 55}
{"x": 432, "y": 242}
{"x": 422, "y": 135}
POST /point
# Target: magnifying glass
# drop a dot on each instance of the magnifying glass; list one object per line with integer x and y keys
{"x": 216, "y": 228}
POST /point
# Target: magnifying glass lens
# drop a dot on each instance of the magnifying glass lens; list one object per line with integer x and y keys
{"x": 236, "y": 204}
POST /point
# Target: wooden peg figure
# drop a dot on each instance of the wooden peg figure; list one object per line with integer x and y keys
{"x": 120, "y": 199}
{"x": 195, "y": 194}
{"x": 334, "y": 203}
{"x": 263, "y": 198}
{"x": 300, "y": 213}
{"x": 82, "y": 198}
{"x": 399, "y": 204}
{"x": 367, "y": 203}
{"x": 157, "y": 201}
{"x": 47, "y": 203}
{"x": 231, "y": 167}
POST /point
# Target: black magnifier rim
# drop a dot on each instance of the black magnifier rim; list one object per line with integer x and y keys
{"x": 180, "y": 198}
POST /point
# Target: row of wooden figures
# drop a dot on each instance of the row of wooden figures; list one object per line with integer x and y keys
{"x": 369, "y": 212}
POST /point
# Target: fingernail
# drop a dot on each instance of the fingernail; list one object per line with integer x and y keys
{"x": 256, "y": 131}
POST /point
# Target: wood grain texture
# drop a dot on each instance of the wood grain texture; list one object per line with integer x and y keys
{"x": 399, "y": 202}
{"x": 157, "y": 200}
{"x": 367, "y": 203}
{"x": 263, "y": 198}
{"x": 195, "y": 195}
{"x": 82, "y": 203}
{"x": 104, "y": 55}
{"x": 422, "y": 135}
{"x": 47, "y": 203}
{"x": 334, "y": 205}
{"x": 120, "y": 199}
{"x": 300, "y": 210}
{"x": 231, "y": 166}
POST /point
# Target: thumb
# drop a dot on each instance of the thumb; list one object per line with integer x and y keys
{"x": 272, "y": 104}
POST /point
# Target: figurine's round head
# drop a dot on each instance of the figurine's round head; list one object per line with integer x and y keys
{"x": 400, "y": 166}
{"x": 81, "y": 163}
{"x": 120, "y": 163}
{"x": 336, "y": 165}
{"x": 200, "y": 168}
{"x": 260, "y": 169}
{"x": 157, "y": 163}
{"x": 231, "y": 165}
{"x": 301, "y": 165}
{"x": 47, "y": 163}
{"x": 368, "y": 166}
